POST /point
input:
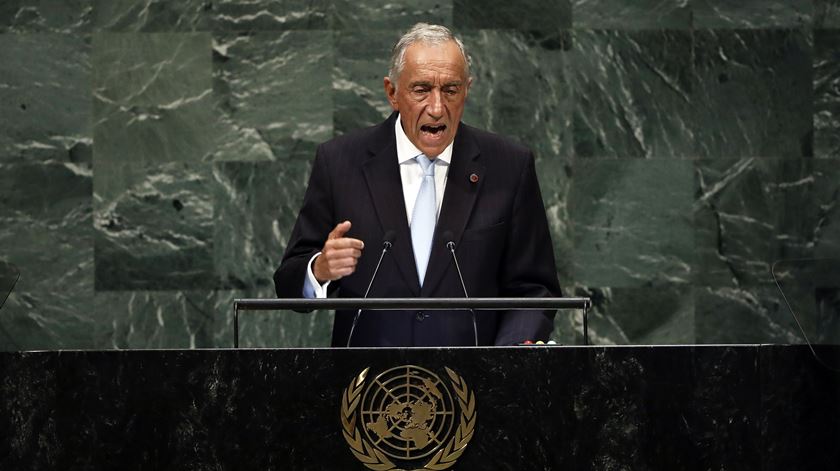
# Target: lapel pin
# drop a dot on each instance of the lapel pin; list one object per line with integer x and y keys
{"x": 474, "y": 178}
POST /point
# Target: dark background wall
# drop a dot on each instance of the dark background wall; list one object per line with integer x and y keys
{"x": 153, "y": 155}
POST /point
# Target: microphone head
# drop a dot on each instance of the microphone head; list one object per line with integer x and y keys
{"x": 388, "y": 238}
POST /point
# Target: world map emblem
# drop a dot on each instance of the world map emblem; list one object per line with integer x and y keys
{"x": 408, "y": 418}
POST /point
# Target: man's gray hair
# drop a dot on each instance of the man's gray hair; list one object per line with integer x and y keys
{"x": 427, "y": 34}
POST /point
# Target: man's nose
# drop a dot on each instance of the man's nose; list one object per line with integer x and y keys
{"x": 435, "y": 108}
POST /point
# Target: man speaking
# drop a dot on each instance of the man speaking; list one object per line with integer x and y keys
{"x": 422, "y": 183}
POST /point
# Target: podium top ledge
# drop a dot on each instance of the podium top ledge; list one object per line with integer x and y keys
{"x": 254, "y": 304}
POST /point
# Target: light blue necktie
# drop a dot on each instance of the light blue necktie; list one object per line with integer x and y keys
{"x": 424, "y": 217}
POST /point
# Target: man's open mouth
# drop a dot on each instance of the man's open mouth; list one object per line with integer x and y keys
{"x": 433, "y": 128}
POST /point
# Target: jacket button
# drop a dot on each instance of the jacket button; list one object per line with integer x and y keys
{"x": 420, "y": 316}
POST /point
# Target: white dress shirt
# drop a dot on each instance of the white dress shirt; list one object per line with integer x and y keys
{"x": 411, "y": 175}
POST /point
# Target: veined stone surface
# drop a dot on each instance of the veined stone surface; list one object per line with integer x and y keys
{"x": 201, "y": 15}
{"x": 661, "y": 315}
{"x": 66, "y": 16}
{"x": 826, "y": 13}
{"x": 45, "y": 95}
{"x": 272, "y": 94}
{"x": 633, "y": 94}
{"x": 742, "y": 14}
{"x": 152, "y": 97}
{"x": 743, "y": 315}
{"x": 157, "y": 232}
{"x": 256, "y": 204}
{"x": 752, "y": 212}
{"x": 511, "y": 14}
{"x": 269, "y": 329}
{"x": 354, "y": 15}
{"x": 45, "y": 230}
{"x": 46, "y": 181}
{"x": 159, "y": 319}
{"x": 638, "y": 14}
{"x": 752, "y": 95}
{"x": 503, "y": 62}
{"x": 631, "y": 221}
{"x": 826, "y": 93}
{"x": 361, "y": 64}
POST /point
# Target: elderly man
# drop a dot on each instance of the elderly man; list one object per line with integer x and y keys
{"x": 422, "y": 179}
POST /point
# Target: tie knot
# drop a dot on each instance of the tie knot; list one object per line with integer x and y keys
{"x": 427, "y": 165}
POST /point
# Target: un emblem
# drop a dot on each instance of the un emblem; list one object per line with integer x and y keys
{"x": 407, "y": 415}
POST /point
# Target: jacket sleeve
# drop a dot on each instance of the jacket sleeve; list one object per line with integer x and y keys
{"x": 313, "y": 225}
{"x": 528, "y": 264}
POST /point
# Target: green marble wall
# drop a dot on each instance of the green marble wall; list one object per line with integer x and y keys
{"x": 153, "y": 155}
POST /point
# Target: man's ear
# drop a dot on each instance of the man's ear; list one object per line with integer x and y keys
{"x": 469, "y": 85}
{"x": 391, "y": 93}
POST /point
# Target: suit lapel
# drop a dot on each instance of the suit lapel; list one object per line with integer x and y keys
{"x": 382, "y": 174}
{"x": 458, "y": 202}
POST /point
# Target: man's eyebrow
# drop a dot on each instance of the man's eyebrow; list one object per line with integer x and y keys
{"x": 424, "y": 83}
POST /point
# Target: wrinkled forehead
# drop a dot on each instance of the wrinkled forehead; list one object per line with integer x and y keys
{"x": 436, "y": 59}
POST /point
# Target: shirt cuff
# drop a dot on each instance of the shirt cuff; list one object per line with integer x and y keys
{"x": 311, "y": 288}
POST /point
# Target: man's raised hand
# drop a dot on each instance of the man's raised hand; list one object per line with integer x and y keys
{"x": 339, "y": 256}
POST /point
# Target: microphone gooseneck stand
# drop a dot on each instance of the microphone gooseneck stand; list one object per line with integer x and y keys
{"x": 387, "y": 243}
{"x": 451, "y": 246}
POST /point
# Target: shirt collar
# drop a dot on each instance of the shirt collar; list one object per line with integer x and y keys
{"x": 407, "y": 151}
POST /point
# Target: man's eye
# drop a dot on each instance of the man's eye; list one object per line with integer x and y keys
{"x": 421, "y": 90}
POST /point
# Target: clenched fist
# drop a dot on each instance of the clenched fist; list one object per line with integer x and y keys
{"x": 339, "y": 256}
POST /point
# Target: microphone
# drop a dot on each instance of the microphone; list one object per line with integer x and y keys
{"x": 450, "y": 244}
{"x": 387, "y": 243}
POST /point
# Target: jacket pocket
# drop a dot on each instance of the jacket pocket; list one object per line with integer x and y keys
{"x": 485, "y": 233}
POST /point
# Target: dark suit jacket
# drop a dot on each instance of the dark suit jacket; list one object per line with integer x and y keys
{"x": 498, "y": 223}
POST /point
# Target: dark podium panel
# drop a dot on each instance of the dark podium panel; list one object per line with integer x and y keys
{"x": 542, "y": 408}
